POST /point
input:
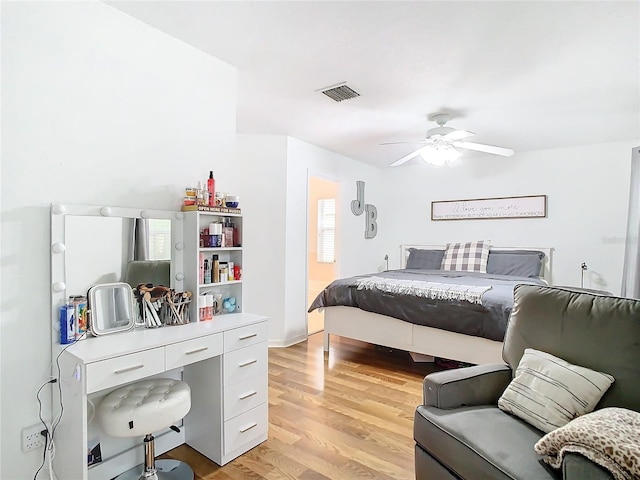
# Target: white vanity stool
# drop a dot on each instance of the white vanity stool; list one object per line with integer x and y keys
{"x": 144, "y": 407}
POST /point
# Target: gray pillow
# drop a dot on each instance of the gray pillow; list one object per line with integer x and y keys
{"x": 425, "y": 259}
{"x": 521, "y": 263}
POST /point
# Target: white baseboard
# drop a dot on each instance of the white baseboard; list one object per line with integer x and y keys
{"x": 287, "y": 342}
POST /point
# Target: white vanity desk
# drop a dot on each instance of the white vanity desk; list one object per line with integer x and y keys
{"x": 224, "y": 361}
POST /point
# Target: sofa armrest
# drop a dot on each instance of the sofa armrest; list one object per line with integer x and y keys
{"x": 577, "y": 467}
{"x": 478, "y": 385}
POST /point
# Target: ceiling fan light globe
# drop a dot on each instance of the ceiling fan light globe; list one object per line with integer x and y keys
{"x": 440, "y": 155}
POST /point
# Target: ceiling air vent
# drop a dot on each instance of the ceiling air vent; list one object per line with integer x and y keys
{"x": 340, "y": 92}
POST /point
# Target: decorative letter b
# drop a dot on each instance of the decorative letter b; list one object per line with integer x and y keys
{"x": 371, "y": 217}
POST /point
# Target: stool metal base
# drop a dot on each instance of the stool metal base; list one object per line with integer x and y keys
{"x": 165, "y": 470}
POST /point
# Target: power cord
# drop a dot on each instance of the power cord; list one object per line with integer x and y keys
{"x": 48, "y": 443}
{"x": 44, "y": 454}
{"x": 48, "y": 433}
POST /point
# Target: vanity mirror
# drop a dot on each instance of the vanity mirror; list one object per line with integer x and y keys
{"x": 111, "y": 308}
{"x": 93, "y": 245}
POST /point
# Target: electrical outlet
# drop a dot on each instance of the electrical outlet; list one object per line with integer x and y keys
{"x": 32, "y": 439}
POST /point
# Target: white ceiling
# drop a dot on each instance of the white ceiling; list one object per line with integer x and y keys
{"x": 525, "y": 75}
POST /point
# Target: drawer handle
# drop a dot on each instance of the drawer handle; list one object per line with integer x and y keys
{"x": 197, "y": 350}
{"x": 248, "y": 362}
{"x": 245, "y": 337}
{"x": 248, "y": 427}
{"x": 247, "y": 395}
{"x": 128, "y": 369}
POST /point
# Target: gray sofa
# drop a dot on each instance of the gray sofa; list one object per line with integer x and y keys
{"x": 459, "y": 431}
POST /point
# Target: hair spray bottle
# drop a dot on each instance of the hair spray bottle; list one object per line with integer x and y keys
{"x": 211, "y": 186}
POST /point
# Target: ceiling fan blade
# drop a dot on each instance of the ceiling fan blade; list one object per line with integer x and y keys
{"x": 406, "y": 158}
{"x": 458, "y": 135}
{"x": 479, "y": 147}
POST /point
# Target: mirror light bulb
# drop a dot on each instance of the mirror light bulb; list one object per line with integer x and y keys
{"x": 105, "y": 211}
{"x": 59, "y": 287}
{"x": 58, "y": 208}
{"x": 58, "y": 247}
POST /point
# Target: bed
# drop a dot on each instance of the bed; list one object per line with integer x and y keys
{"x": 456, "y": 326}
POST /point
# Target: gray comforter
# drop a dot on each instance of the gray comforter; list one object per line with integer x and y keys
{"x": 488, "y": 320}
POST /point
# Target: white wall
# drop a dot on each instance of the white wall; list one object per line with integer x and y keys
{"x": 97, "y": 108}
{"x": 355, "y": 253}
{"x": 275, "y": 172}
{"x": 262, "y": 165}
{"x": 587, "y": 188}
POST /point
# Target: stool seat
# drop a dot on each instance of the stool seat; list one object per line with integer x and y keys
{"x": 144, "y": 407}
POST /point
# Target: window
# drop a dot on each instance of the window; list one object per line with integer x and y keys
{"x": 326, "y": 230}
{"x": 159, "y": 239}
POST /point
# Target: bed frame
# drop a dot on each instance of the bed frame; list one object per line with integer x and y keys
{"x": 427, "y": 342}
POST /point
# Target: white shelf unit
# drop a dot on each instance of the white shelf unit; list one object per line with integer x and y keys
{"x": 195, "y": 222}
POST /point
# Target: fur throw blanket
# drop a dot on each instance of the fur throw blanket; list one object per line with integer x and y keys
{"x": 609, "y": 437}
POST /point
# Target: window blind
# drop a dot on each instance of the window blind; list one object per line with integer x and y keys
{"x": 326, "y": 230}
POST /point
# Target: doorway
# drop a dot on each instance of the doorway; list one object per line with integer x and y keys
{"x": 322, "y": 245}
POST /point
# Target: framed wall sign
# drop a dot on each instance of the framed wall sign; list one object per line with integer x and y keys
{"x": 531, "y": 206}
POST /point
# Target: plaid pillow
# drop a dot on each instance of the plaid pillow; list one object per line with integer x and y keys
{"x": 466, "y": 257}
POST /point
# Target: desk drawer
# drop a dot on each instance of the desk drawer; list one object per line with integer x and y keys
{"x": 124, "y": 369}
{"x": 245, "y": 395}
{"x": 245, "y": 336}
{"x": 191, "y": 351}
{"x": 245, "y": 428}
{"x": 245, "y": 363}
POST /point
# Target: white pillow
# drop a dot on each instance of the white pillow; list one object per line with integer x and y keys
{"x": 466, "y": 257}
{"x": 548, "y": 392}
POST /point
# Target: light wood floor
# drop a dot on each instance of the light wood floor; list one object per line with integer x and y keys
{"x": 342, "y": 415}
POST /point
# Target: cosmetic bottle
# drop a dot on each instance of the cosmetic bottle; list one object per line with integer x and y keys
{"x": 199, "y": 195}
{"x": 201, "y": 269}
{"x": 209, "y": 310}
{"x": 230, "y": 271}
{"x": 207, "y": 272}
{"x": 216, "y": 269}
{"x": 211, "y": 187}
{"x": 202, "y": 308}
{"x": 224, "y": 272}
{"x": 227, "y": 233}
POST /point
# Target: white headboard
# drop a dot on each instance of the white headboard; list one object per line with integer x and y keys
{"x": 546, "y": 262}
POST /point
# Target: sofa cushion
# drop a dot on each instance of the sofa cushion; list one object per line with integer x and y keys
{"x": 481, "y": 442}
{"x": 577, "y": 466}
{"x": 548, "y": 392}
{"x": 428, "y": 467}
{"x": 593, "y": 331}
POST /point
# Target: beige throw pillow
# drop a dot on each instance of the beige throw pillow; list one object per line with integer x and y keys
{"x": 548, "y": 392}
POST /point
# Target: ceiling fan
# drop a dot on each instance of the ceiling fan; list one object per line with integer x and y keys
{"x": 440, "y": 143}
